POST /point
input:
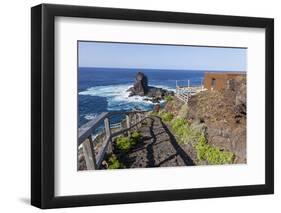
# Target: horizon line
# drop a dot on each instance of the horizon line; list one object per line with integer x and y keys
{"x": 205, "y": 70}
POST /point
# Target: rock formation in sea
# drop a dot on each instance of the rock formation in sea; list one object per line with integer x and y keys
{"x": 141, "y": 88}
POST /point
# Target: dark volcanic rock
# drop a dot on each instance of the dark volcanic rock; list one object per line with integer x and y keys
{"x": 141, "y": 88}
{"x": 158, "y": 92}
{"x": 225, "y": 116}
{"x": 240, "y": 101}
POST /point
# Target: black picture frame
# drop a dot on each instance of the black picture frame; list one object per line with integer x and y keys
{"x": 43, "y": 117}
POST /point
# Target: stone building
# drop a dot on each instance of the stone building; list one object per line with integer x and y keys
{"x": 221, "y": 80}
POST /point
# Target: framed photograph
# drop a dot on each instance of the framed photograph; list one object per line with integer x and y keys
{"x": 139, "y": 106}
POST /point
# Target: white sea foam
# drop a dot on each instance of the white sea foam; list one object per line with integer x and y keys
{"x": 118, "y": 97}
{"x": 90, "y": 116}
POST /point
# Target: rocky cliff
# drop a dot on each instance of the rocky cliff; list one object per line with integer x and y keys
{"x": 223, "y": 115}
{"x": 142, "y": 88}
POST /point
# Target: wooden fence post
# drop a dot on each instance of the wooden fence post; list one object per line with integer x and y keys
{"x": 89, "y": 154}
{"x": 108, "y": 134}
{"x": 134, "y": 119}
{"x": 128, "y": 122}
{"x": 139, "y": 119}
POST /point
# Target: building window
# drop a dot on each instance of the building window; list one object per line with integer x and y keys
{"x": 213, "y": 83}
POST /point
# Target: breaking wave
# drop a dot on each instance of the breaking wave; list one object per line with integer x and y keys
{"x": 90, "y": 116}
{"x": 118, "y": 97}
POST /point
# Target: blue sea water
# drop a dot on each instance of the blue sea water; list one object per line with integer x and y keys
{"x": 105, "y": 89}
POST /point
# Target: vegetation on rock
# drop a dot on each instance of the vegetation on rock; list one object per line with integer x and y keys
{"x": 180, "y": 129}
{"x": 168, "y": 98}
{"x": 114, "y": 163}
{"x": 212, "y": 155}
{"x": 166, "y": 116}
{"x": 194, "y": 134}
{"x": 185, "y": 132}
{"x": 225, "y": 116}
{"x": 183, "y": 112}
{"x": 136, "y": 136}
{"x": 124, "y": 143}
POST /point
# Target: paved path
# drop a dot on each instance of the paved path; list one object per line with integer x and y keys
{"x": 158, "y": 148}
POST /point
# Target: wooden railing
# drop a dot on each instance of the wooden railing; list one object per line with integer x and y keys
{"x": 93, "y": 160}
{"x": 185, "y": 92}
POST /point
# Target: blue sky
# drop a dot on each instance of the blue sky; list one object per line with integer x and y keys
{"x": 126, "y": 55}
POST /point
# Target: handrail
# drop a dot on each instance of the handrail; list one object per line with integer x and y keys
{"x": 85, "y": 132}
{"x": 184, "y": 92}
{"x": 127, "y": 129}
{"x": 108, "y": 140}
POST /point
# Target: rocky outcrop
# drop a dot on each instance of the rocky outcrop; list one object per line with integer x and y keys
{"x": 141, "y": 88}
{"x": 241, "y": 100}
{"x": 224, "y": 114}
{"x": 158, "y": 92}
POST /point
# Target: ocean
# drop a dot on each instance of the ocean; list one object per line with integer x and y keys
{"x": 104, "y": 89}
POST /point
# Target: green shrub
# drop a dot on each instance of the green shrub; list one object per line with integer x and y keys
{"x": 144, "y": 123}
{"x": 114, "y": 163}
{"x": 202, "y": 148}
{"x": 126, "y": 143}
{"x": 180, "y": 129}
{"x": 136, "y": 136}
{"x": 178, "y": 123}
{"x": 168, "y": 98}
{"x": 166, "y": 116}
{"x": 184, "y": 132}
{"x": 212, "y": 154}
